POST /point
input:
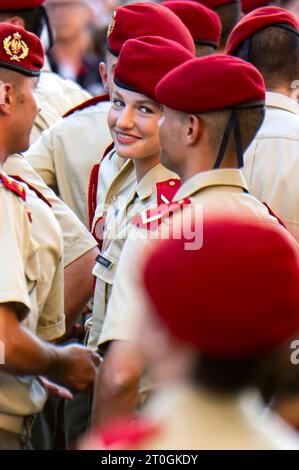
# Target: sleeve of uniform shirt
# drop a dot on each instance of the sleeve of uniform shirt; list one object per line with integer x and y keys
{"x": 271, "y": 170}
{"x": 77, "y": 240}
{"x": 40, "y": 157}
{"x": 16, "y": 252}
{"x": 126, "y": 304}
{"x": 51, "y": 322}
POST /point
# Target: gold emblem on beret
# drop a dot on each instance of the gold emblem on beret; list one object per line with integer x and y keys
{"x": 15, "y": 47}
{"x": 111, "y": 24}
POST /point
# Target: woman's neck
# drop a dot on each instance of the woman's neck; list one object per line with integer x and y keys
{"x": 144, "y": 165}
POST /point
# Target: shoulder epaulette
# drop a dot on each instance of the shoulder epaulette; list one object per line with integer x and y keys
{"x": 13, "y": 186}
{"x": 88, "y": 104}
{"x": 93, "y": 186}
{"x": 274, "y": 215}
{"x": 36, "y": 191}
{"x": 152, "y": 218}
{"x": 166, "y": 190}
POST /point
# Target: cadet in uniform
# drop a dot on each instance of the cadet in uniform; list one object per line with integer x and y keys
{"x": 133, "y": 121}
{"x": 62, "y": 156}
{"x": 201, "y": 142}
{"x": 271, "y": 162}
{"x": 229, "y": 12}
{"x": 203, "y": 23}
{"x": 56, "y": 95}
{"x": 21, "y": 58}
{"x": 211, "y": 361}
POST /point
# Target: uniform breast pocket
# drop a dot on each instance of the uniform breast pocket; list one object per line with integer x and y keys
{"x": 104, "y": 269}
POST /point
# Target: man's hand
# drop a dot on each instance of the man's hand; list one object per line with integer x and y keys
{"x": 75, "y": 367}
{"x": 56, "y": 390}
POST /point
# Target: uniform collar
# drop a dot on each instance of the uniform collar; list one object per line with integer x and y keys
{"x": 147, "y": 185}
{"x": 205, "y": 179}
{"x": 280, "y": 101}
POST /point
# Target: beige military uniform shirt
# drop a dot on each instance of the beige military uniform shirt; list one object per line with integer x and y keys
{"x": 65, "y": 154}
{"x": 216, "y": 189}
{"x": 143, "y": 195}
{"x": 48, "y": 320}
{"x": 19, "y": 396}
{"x": 76, "y": 238}
{"x": 272, "y": 160}
{"x": 192, "y": 418}
{"x": 56, "y": 96}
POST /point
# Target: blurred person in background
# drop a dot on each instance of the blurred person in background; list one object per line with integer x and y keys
{"x": 72, "y": 55}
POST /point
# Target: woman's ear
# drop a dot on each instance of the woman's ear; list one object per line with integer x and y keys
{"x": 103, "y": 75}
{"x": 193, "y": 128}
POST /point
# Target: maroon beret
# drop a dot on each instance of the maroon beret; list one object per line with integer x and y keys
{"x": 203, "y": 23}
{"x": 217, "y": 3}
{"x": 146, "y": 19}
{"x": 20, "y": 50}
{"x": 236, "y": 296}
{"x": 11, "y": 5}
{"x": 212, "y": 83}
{"x": 144, "y": 61}
{"x": 256, "y": 21}
{"x": 250, "y": 5}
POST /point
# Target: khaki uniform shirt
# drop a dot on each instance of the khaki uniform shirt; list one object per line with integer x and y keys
{"x": 65, "y": 154}
{"x": 48, "y": 321}
{"x": 19, "y": 396}
{"x": 216, "y": 189}
{"x": 143, "y": 195}
{"x": 76, "y": 238}
{"x": 272, "y": 161}
{"x": 56, "y": 96}
{"x": 191, "y": 418}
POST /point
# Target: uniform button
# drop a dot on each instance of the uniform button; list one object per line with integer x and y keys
{"x": 181, "y": 201}
{"x": 171, "y": 183}
{"x": 113, "y": 198}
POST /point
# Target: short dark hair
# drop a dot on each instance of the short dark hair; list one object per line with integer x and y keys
{"x": 229, "y": 15}
{"x": 31, "y": 17}
{"x": 274, "y": 51}
{"x": 250, "y": 121}
{"x": 271, "y": 372}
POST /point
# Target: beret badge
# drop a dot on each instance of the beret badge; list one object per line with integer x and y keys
{"x": 15, "y": 47}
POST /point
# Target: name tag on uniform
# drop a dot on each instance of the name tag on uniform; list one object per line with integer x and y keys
{"x": 104, "y": 261}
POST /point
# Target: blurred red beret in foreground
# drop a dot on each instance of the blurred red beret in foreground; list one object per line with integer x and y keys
{"x": 235, "y": 297}
{"x": 11, "y": 5}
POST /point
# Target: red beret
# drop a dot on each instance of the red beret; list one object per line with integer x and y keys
{"x": 203, "y": 23}
{"x": 257, "y": 20}
{"x": 11, "y": 5}
{"x": 20, "y": 50}
{"x": 237, "y": 296}
{"x": 212, "y": 83}
{"x": 144, "y": 61}
{"x": 250, "y": 5}
{"x": 217, "y": 3}
{"x": 146, "y": 19}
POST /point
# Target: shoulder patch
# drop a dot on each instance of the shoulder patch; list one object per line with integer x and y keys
{"x": 166, "y": 190}
{"x": 36, "y": 191}
{"x": 13, "y": 186}
{"x": 87, "y": 104}
{"x": 152, "y": 218}
{"x": 279, "y": 220}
